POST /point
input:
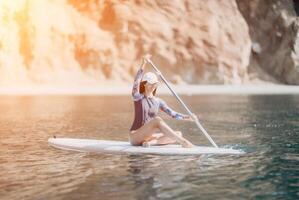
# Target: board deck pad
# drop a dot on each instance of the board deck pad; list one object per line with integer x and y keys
{"x": 121, "y": 147}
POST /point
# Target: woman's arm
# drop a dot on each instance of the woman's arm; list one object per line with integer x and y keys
{"x": 135, "y": 90}
{"x": 165, "y": 108}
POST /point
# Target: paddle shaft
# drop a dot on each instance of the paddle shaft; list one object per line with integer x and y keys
{"x": 183, "y": 104}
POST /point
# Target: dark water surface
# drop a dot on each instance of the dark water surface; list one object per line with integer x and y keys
{"x": 267, "y": 127}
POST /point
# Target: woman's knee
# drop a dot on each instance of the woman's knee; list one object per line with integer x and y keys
{"x": 157, "y": 120}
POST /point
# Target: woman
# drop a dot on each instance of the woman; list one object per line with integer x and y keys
{"x": 146, "y": 121}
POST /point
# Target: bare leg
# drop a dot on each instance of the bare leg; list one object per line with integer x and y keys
{"x": 166, "y": 140}
{"x": 171, "y": 134}
{"x": 145, "y": 133}
{"x": 161, "y": 139}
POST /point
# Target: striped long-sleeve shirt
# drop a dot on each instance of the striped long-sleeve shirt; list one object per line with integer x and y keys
{"x": 146, "y": 108}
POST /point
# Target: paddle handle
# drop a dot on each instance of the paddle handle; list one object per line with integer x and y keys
{"x": 183, "y": 104}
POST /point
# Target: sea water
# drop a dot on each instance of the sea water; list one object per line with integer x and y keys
{"x": 266, "y": 127}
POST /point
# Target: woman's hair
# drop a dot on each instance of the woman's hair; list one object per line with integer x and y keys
{"x": 142, "y": 88}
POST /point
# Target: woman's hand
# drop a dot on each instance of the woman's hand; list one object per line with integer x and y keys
{"x": 192, "y": 117}
{"x": 145, "y": 60}
{"x": 146, "y": 57}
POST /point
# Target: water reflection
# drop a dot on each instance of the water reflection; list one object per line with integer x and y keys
{"x": 266, "y": 127}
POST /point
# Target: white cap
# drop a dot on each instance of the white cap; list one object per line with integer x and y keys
{"x": 150, "y": 77}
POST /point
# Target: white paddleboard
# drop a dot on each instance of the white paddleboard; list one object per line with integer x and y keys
{"x": 118, "y": 147}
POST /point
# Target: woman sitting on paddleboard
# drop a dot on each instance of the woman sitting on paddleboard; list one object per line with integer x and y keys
{"x": 146, "y": 121}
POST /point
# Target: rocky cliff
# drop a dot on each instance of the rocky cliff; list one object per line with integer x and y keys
{"x": 97, "y": 42}
{"x": 274, "y": 30}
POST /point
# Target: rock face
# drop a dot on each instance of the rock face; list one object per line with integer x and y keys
{"x": 55, "y": 42}
{"x": 274, "y": 30}
{"x": 91, "y": 42}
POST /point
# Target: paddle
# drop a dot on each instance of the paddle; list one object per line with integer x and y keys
{"x": 182, "y": 103}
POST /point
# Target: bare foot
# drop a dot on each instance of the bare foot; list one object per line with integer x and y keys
{"x": 187, "y": 144}
{"x": 146, "y": 144}
{"x": 150, "y": 143}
